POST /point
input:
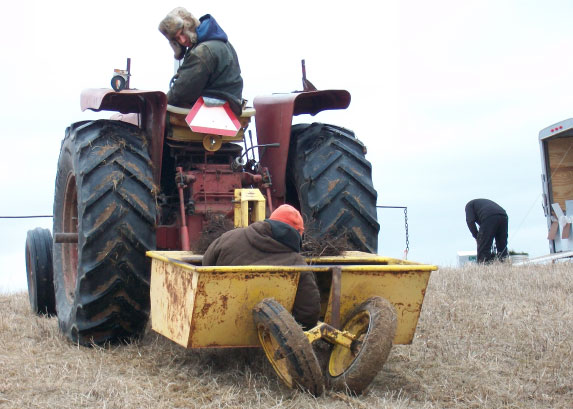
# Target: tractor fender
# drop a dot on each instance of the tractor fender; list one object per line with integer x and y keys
{"x": 274, "y": 120}
{"x": 151, "y": 107}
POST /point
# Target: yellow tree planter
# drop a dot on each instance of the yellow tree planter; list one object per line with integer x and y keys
{"x": 368, "y": 303}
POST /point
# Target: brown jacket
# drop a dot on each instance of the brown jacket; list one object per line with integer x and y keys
{"x": 261, "y": 244}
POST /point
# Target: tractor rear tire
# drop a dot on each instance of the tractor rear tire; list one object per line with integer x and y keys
{"x": 105, "y": 194}
{"x": 39, "y": 271}
{"x": 331, "y": 182}
{"x": 287, "y": 347}
{"x": 373, "y": 323}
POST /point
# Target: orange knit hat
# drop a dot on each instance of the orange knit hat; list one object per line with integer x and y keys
{"x": 289, "y": 215}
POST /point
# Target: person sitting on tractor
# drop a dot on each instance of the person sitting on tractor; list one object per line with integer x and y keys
{"x": 210, "y": 65}
{"x": 274, "y": 241}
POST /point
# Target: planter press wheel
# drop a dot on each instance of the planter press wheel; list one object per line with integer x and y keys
{"x": 39, "y": 271}
{"x": 374, "y": 325}
{"x": 287, "y": 347}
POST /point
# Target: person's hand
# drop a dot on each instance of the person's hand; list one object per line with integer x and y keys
{"x": 173, "y": 79}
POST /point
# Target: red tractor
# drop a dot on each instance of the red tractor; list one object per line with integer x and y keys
{"x": 143, "y": 180}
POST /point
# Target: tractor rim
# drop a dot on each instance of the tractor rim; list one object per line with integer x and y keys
{"x": 274, "y": 354}
{"x": 342, "y": 357}
{"x": 70, "y": 225}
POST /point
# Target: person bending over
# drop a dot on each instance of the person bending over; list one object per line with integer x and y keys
{"x": 492, "y": 221}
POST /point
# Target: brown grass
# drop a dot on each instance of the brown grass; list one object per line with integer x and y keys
{"x": 488, "y": 337}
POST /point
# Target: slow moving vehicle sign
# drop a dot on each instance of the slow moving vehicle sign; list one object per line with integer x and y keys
{"x": 211, "y": 117}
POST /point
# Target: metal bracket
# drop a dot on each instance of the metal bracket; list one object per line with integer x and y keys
{"x": 335, "y": 296}
{"x": 563, "y": 220}
{"x": 330, "y": 334}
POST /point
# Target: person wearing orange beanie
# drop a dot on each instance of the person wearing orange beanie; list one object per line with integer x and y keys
{"x": 289, "y": 215}
{"x": 274, "y": 241}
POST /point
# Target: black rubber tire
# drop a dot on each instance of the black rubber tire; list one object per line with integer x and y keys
{"x": 374, "y": 322}
{"x": 330, "y": 180}
{"x": 292, "y": 357}
{"x": 105, "y": 193}
{"x": 39, "y": 271}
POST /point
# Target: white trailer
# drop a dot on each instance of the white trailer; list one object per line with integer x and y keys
{"x": 556, "y": 144}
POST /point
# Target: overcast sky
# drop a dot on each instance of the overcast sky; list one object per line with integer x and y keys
{"x": 448, "y": 96}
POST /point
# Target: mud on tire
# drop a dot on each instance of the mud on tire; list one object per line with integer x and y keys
{"x": 331, "y": 182}
{"x": 287, "y": 347}
{"x": 105, "y": 194}
{"x": 374, "y": 324}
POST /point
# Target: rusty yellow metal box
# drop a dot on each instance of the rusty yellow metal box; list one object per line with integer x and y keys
{"x": 201, "y": 307}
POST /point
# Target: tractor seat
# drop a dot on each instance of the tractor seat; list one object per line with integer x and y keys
{"x": 179, "y": 129}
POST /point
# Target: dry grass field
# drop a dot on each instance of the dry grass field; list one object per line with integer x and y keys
{"x": 488, "y": 337}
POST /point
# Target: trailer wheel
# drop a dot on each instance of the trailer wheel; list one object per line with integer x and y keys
{"x": 105, "y": 194}
{"x": 374, "y": 324}
{"x": 287, "y": 348}
{"x": 39, "y": 271}
{"x": 330, "y": 180}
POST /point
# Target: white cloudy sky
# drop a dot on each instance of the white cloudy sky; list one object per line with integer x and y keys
{"x": 449, "y": 97}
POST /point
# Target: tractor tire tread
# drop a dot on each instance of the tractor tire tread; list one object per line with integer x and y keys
{"x": 116, "y": 225}
{"x": 39, "y": 271}
{"x": 331, "y": 181}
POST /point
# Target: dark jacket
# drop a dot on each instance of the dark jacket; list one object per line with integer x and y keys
{"x": 269, "y": 242}
{"x": 210, "y": 68}
{"x": 478, "y": 210}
